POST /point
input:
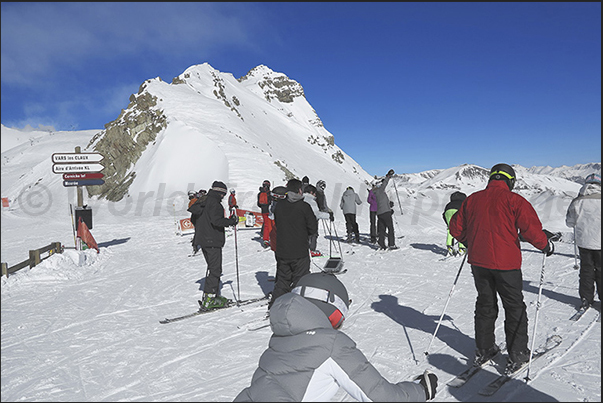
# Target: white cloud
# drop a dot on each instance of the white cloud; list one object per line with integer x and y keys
{"x": 42, "y": 38}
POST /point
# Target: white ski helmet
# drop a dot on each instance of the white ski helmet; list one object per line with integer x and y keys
{"x": 326, "y": 292}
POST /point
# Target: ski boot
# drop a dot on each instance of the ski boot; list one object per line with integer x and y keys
{"x": 484, "y": 355}
{"x": 451, "y": 251}
{"x": 213, "y": 301}
{"x": 516, "y": 360}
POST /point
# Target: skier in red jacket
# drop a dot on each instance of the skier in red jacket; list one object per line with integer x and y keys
{"x": 489, "y": 223}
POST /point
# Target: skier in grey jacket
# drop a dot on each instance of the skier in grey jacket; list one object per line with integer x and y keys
{"x": 349, "y": 200}
{"x": 584, "y": 214}
{"x": 309, "y": 359}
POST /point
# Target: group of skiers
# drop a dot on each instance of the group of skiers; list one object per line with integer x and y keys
{"x": 307, "y": 310}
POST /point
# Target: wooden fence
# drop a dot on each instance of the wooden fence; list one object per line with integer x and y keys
{"x": 35, "y": 257}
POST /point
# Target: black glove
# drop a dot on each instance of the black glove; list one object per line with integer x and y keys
{"x": 430, "y": 382}
{"x": 549, "y": 249}
{"x": 391, "y": 204}
{"x": 390, "y": 173}
{"x": 552, "y": 236}
{"x": 331, "y": 216}
{"x": 234, "y": 218}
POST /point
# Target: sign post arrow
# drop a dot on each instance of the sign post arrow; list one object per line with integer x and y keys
{"x": 84, "y": 168}
{"x": 69, "y": 158}
{"x": 84, "y": 182}
{"x": 77, "y": 176}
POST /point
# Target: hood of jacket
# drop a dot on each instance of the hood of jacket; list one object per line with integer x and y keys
{"x": 294, "y": 197}
{"x": 293, "y": 314}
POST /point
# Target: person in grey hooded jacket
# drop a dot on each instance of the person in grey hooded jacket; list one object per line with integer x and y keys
{"x": 349, "y": 200}
{"x": 309, "y": 358}
{"x": 584, "y": 214}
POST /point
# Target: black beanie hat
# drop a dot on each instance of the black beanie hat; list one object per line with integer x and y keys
{"x": 219, "y": 187}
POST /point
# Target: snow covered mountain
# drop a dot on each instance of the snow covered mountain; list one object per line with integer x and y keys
{"x": 206, "y": 125}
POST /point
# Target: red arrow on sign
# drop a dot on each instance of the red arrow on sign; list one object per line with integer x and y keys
{"x": 96, "y": 175}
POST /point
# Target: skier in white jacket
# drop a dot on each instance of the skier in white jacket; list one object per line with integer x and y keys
{"x": 309, "y": 359}
{"x": 584, "y": 214}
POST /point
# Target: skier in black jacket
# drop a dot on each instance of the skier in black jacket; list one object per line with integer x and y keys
{"x": 211, "y": 238}
{"x": 295, "y": 222}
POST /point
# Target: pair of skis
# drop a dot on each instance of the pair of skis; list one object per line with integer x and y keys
{"x": 231, "y": 303}
{"x": 491, "y": 388}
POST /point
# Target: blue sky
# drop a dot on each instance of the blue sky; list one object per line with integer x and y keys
{"x": 409, "y": 86}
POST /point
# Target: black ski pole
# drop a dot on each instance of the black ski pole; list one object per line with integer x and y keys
{"x": 337, "y": 237}
{"x": 446, "y": 305}
{"x": 576, "y": 267}
{"x": 398, "y": 197}
{"x": 327, "y": 228}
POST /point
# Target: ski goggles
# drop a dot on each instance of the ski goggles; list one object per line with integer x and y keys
{"x": 337, "y": 317}
{"x": 503, "y": 173}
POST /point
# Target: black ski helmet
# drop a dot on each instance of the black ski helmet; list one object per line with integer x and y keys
{"x": 279, "y": 192}
{"x": 503, "y": 172}
{"x": 326, "y": 292}
{"x": 458, "y": 196}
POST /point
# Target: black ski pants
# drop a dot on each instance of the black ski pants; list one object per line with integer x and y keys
{"x": 213, "y": 257}
{"x": 313, "y": 239}
{"x": 373, "y": 220}
{"x": 508, "y": 285}
{"x": 590, "y": 274}
{"x": 288, "y": 273}
{"x": 351, "y": 225}
{"x": 385, "y": 223}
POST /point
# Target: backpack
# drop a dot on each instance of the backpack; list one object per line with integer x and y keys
{"x": 263, "y": 199}
{"x": 197, "y": 208}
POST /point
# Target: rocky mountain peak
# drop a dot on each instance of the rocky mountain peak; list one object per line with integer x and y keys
{"x": 274, "y": 85}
